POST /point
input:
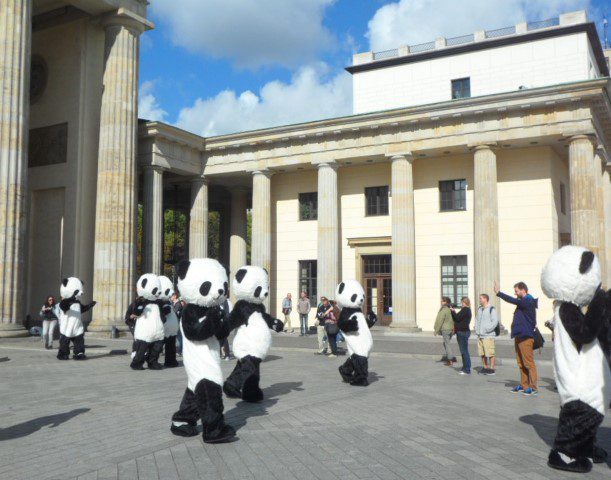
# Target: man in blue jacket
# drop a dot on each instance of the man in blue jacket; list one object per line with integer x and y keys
{"x": 523, "y": 331}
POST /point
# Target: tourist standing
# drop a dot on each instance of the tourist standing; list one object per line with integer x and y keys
{"x": 177, "y": 305}
{"x": 303, "y": 308}
{"x": 523, "y": 332}
{"x": 324, "y": 309}
{"x": 486, "y": 323}
{"x": 332, "y": 328}
{"x": 444, "y": 326}
{"x": 49, "y": 315}
{"x": 287, "y": 308}
{"x": 462, "y": 319}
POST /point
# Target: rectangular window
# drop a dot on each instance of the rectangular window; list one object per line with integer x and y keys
{"x": 376, "y": 201}
{"x": 562, "y": 198}
{"x": 452, "y": 195}
{"x": 307, "y": 279}
{"x": 377, "y": 265}
{"x": 454, "y": 280}
{"x": 461, "y": 88}
{"x": 308, "y": 206}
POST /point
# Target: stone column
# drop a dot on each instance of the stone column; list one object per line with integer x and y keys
{"x": 116, "y": 200}
{"x": 237, "y": 240}
{"x": 485, "y": 223}
{"x": 261, "y": 248}
{"x": 15, "y": 41}
{"x": 198, "y": 220}
{"x": 600, "y": 164}
{"x": 403, "y": 244}
{"x": 607, "y": 206}
{"x": 153, "y": 219}
{"x": 328, "y": 231}
{"x": 583, "y": 170}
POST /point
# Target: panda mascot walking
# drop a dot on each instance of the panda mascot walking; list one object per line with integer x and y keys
{"x": 253, "y": 337}
{"x": 149, "y": 330}
{"x": 71, "y": 327}
{"x": 350, "y": 297}
{"x": 171, "y": 323}
{"x": 572, "y": 278}
{"x": 203, "y": 284}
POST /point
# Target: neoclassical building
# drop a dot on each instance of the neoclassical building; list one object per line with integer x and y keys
{"x": 468, "y": 160}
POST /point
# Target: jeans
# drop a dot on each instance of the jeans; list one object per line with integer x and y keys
{"x": 48, "y": 329}
{"x": 303, "y": 319}
{"x": 447, "y": 337}
{"x": 463, "y": 343}
{"x": 322, "y": 337}
{"x": 333, "y": 343}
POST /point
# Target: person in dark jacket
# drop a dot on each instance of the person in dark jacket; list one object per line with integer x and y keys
{"x": 523, "y": 332}
{"x": 462, "y": 319}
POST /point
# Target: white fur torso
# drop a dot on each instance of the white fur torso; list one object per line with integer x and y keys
{"x": 202, "y": 359}
{"x": 170, "y": 326}
{"x": 70, "y": 324}
{"x": 359, "y": 342}
{"x": 149, "y": 327}
{"x": 580, "y": 375}
{"x": 254, "y": 339}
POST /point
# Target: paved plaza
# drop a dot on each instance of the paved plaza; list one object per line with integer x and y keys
{"x": 99, "y": 420}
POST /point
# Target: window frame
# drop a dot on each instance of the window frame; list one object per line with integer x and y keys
{"x": 313, "y": 204}
{"x": 457, "y": 279}
{"x": 463, "y": 80}
{"x": 453, "y": 202}
{"x": 310, "y": 280}
{"x": 562, "y": 198}
{"x": 382, "y": 208}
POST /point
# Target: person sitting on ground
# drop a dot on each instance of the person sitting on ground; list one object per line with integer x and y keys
{"x": 49, "y": 315}
{"x": 486, "y": 322}
{"x": 462, "y": 319}
{"x": 444, "y": 326}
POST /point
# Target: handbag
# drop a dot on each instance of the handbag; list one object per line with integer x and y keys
{"x": 538, "y": 339}
{"x": 331, "y": 328}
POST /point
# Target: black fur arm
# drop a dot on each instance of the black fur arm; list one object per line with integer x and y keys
{"x": 273, "y": 323}
{"x": 584, "y": 328}
{"x": 89, "y": 306}
{"x": 66, "y": 303}
{"x": 196, "y": 330}
{"x": 347, "y": 320}
{"x": 239, "y": 315}
{"x": 164, "y": 308}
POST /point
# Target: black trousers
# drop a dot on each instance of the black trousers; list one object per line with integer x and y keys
{"x": 577, "y": 427}
{"x": 78, "y": 344}
{"x": 244, "y": 380}
{"x": 205, "y": 403}
{"x": 170, "y": 351}
{"x": 355, "y": 370}
{"x": 142, "y": 348}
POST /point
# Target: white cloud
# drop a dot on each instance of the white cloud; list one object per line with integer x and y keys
{"x": 148, "y": 106}
{"x": 251, "y": 33}
{"x": 311, "y": 95}
{"x": 418, "y": 21}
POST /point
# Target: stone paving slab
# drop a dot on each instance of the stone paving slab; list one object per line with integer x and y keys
{"x": 97, "y": 419}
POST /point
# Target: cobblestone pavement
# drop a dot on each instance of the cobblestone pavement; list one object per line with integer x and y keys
{"x": 97, "y": 419}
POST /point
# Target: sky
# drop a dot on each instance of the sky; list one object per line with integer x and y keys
{"x": 222, "y": 66}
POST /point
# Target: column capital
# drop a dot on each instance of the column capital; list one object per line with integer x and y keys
{"x": 583, "y": 136}
{"x": 155, "y": 168}
{"x": 409, "y": 156}
{"x": 126, "y": 18}
{"x": 201, "y": 180}
{"x": 332, "y": 165}
{"x": 477, "y": 146}
{"x": 265, "y": 172}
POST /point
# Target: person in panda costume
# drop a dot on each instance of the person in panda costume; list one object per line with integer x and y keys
{"x": 253, "y": 338}
{"x": 350, "y": 297}
{"x": 572, "y": 279}
{"x": 171, "y": 322}
{"x": 203, "y": 284}
{"x": 149, "y": 330}
{"x": 71, "y": 327}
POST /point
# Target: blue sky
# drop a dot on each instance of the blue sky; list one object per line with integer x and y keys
{"x": 222, "y": 66}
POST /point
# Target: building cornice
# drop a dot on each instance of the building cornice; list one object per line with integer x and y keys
{"x": 160, "y": 130}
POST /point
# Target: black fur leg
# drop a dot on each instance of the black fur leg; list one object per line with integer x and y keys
{"x": 361, "y": 371}
{"x": 575, "y": 465}
{"x": 251, "y": 392}
{"x": 63, "y": 353}
{"x": 184, "y": 430}
{"x": 140, "y": 347}
{"x": 154, "y": 351}
{"x": 170, "y": 352}
{"x": 233, "y": 384}
{"x": 79, "y": 347}
{"x": 599, "y": 455}
{"x": 209, "y": 400}
{"x": 347, "y": 370}
{"x": 577, "y": 426}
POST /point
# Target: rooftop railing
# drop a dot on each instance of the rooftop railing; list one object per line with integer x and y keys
{"x": 550, "y": 22}
{"x": 451, "y": 42}
{"x": 422, "y": 47}
{"x": 393, "y": 52}
{"x": 501, "y": 32}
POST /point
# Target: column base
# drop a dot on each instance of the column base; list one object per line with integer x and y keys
{"x": 13, "y": 330}
{"x": 405, "y": 328}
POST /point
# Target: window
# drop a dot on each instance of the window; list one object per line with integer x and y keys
{"x": 452, "y": 195}
{"x": 307, "y": 279}
{"x": 377, "y": 265}
{"x": 308, "y": 206}
{"x": 454, "y": 283}
{"x": 562, "y": 198}
{"x": 376, "y": 201}
{"x": 461, "y": 88}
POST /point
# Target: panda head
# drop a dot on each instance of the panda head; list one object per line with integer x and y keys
{"x": 350, "y": 294}
{"x": 149, "y": 287}
{"x": 251, "y": 284}
{"x": 167, "y": 287}
{"x": 71, "y": 287}
{"x": 571, "y": 274}
{"x": 202, "y": 281}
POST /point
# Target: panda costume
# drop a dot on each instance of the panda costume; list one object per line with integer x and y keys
{"x": 149, "y": 330}
{"x": 253, "y": 337}
{"x": 71, "y": 327}
{"x": 170, "y": 326}
{"x": 572, "y": 278}
{"x": 203, "y": 284}
{"x": 350, "y": 296}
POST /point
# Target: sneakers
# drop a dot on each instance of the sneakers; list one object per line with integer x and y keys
{"x": 462, "y": 372}
{"x": 517, "y": 389}
{"x": 331, "y": 355}
{"x": 530, "y": 391}
{"x": 489, "y": 371}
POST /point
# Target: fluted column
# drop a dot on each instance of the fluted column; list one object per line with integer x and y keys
{"x": 198, "y": 220}
{"x": 15, "y": 41}
{"x": 237, "y": 239}
{"x": 585, "y": 228}
{"x": 328, "y": 230}
{"x": 403, "y": 244}
{"x": 600, "y": 164}
{"x": 485, "y": 223}
{"x": 606, "y": 183}
{"x": 153, "y": 219}
{"x": 116, "y": 199}
{"x": 261, "y": 248}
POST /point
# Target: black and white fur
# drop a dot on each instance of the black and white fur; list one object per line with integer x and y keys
{"x": 253, "y": 338}
{"x": 572, "y": 278}
{"x": 350, "y": 297}
{"x": 171, "y": 325}
{"x": 203, "y": 284}
{"x": 71, "y": 327}
{"x": 149, "y": 329}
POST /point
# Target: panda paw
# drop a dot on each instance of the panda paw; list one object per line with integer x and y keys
{"x": 278, "y": 325}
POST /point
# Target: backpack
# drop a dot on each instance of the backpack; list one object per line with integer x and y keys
{"x": 497, "y": 329}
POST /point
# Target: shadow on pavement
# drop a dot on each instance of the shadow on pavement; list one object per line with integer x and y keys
{"x": 374, "y": 377}
{"x": 271, "y": 358}
{"x": 4, "y": 359}
{"x": 32, "y": 426}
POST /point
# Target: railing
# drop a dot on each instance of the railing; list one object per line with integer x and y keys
{"x": 422, "y": 47}
{"x": 386, "y": 54}
{"x": 550, "y": 22}
{"x": 500, "y": 32}
{"x": 451, "y": 42}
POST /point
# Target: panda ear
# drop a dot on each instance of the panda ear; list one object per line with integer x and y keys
{"x": 144, "y": 282}
{"x": 239, "y": 276}
{"x": 341, "y": 288}
{"x": 182, "y": 268}
{"x": 587, "y": 258}
{"x": 65, "y": 282}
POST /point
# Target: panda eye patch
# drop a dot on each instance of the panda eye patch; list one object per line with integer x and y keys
{"x": 341, "y": 287}
{"x": 155, "y": 291}
{"x": 167, "y": 292}
{"x": 353, "y": 297}
{"x": 258, "y": 292}
{"x": 144, "y": 282}
{"x": 205, "y": 288}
